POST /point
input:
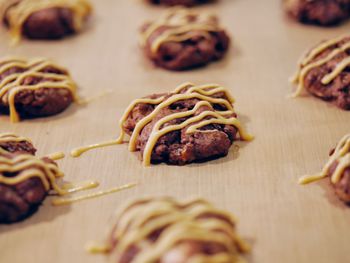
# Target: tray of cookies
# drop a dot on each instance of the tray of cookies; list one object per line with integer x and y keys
{"x": 174, "y": 131}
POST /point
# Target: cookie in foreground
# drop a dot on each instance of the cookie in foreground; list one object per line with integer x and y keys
{"x": 325, "y": 72}
{"x": 42, "y": 19}
{"x": 25, "y": 180}
{"x": 190, "y": 124}
{"x": 337, "y": 169}
{"x": 164, "y": 230}
{"x": 34, "y": 88}
{"x": 319, "y": 12}
{"x": 183, "y": 39}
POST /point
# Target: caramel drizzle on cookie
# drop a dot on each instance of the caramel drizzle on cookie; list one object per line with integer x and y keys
{"x": 27, "y": 166}
{"x": 196, "y": 221}
{"x": 17, "y": 12}
{"x": 341, "y": 156}
{"x": 11, "y": 137}
{"x": 309, "y": 63}
{"x": 179, "y": 24}
{"x": 14, "y": 83}
{"x": 184, "y": 92}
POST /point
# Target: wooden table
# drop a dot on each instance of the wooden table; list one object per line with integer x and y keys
{"x": 283, "y": 221}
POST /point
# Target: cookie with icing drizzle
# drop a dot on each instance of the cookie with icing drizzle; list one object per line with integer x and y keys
{"x": 325, "y": 72}
{"x": 25, "y": 180}
{"x": 34, "y": 88}
{"x": 183, "y": 39}
{"x": 179, "y": 2}
{"x": 337, "y": 169}
{"x": 191, "y": 124}
{"x": 42, "y": 19}
{"x": 164, "y": 230}
{"x": 319, "y": 12}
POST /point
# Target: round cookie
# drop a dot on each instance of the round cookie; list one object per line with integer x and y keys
{"x": 319, "y": 12}
{"x": 325, "y": 72}
{"x": 164, "y": 230}
{"x": 34, "y": 88}
{"x": 24, "y": 179}
{"x": 337, "y": 169}
{"x": 183, "y": 39}
{"x": 42, "y": 19}
{"x": 190, "y": 124}
{"x": 179, "y": 2}
{"x": 22, "y": 199}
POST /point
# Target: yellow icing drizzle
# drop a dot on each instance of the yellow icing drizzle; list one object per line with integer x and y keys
{"x": 196, "y": 220}
{"x": 205, "y": 94}
{"x": 179, "y": 24}
{"x": 10, "y": 137}
{"x": 96, "y": 248}
{"x": 14, "y": 83}
{"x": 338, "y": 69}
{"x": 28, "y": 166}
{"x": 341, "y": 155}
{"x": 67, "y": 201}
{"x": 175, "y": 98}
{"x": 79, "y": 151}
{"x": 18, "y": 14}
{"x": 307, "y": 64}
{"x": 73, "y": 188}
{"x": 321, "y": 47}
{"x": 56, "y": 156}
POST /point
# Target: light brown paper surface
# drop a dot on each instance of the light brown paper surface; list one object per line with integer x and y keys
{"x": 283, "y": 221}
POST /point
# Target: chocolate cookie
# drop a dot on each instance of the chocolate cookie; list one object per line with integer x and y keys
{"x": 325, "y": 72}
{"x": 163, "y": 230}
{"x": 190, "y": 124}
{"x": 320, "y": 12}
{"x": 25, "y": 180}
{"x": 16, "y": 144}
{"x": 182, "y": 39}
{"x": 179, "y": 2}
{"x": 34, "y": 88}
{"x": 42, "y": 19}
{"x": 337, "y": 169}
